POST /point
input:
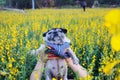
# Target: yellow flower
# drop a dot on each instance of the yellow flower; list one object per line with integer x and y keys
{"x": 36, "y": 75}
{"x": 117, "y": 78}
{"x": 107, "y": 24}
{"x": 53, "y": 79}
{"x": 113, "y": 17}
{"x": 115, "y": 42}
{"x": 89, "y": 77}
{"x": 10, "y": 65}
{"x": 112, "y": 21}
{"x": 2, "y": 59}
{"x": 13, "y": 60}
{"x": 7, "y": 47}
{"x": 3, "y": 73}
{"x": 119, "y": 70}
{"x": 14, "y": 71}
{"x": 10, "y": 77}
{"x": 109, "y": 66}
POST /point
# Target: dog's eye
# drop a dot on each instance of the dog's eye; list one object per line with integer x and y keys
{"x": 60, "y": 31}
{"x": 49, "y": 32}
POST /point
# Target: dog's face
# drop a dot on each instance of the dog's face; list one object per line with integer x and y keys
{"x": 56, "y": 36}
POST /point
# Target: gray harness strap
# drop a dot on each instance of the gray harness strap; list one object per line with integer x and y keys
{"x": 59, "y": 49}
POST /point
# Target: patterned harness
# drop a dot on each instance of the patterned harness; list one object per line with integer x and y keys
{"x": 56, "y": 51}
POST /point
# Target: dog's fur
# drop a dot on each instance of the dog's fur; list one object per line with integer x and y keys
{"x": 56, "y": 67}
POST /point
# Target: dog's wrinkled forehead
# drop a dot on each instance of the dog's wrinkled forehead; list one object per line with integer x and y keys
{"x": 55, "y": 30}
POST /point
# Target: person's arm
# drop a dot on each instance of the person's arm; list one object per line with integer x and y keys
{"x": 73, "y": 63}
{"x": 73, "y": 56}
{"x": 37, "y": 72}
{"x": 77, "y": 68}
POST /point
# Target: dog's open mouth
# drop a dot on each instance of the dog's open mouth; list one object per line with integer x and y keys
{"x": 58, "y": 40}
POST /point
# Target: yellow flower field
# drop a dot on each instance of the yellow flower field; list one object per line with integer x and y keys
{"x": 91, "y": 41}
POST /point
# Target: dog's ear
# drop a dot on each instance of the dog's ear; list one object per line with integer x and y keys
{"x": 44, "y": 34}
{"x": 64, "y": 30}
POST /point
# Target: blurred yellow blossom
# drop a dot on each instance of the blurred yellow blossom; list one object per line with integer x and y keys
{"x": 14, "y": 71}
{"x": 10, "y": 77}
{"x": 3, "y": 73}
{"x": 10, "y": 65}
{"x": 117, "y": 78}
{"x": 109, "y": 67}
{"x": 36, "y": 75}
{"x": 112, "y": 21}
{"x": 13, "y": 60}
{"x": 2, "y": 59}
{"x": 115, "y": 42}
{"x": 89, "y": 77}
{"x": 53, "y": 79}
{"x": 113, "y": 17}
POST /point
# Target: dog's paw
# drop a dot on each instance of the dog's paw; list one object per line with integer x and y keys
{"x": 41, "y": 49}
{"x": 42, "y": 46}
{"x": 33, "y": 52}
{"x": 38, "y": 51}
{"x": 76, "y": 61}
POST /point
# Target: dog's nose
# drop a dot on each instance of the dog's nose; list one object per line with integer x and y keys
{"x": 55, "y": 34}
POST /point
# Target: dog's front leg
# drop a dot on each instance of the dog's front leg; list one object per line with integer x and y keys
{"x": 65, "y": 79}
{"x": 73, "y": 56}
{"x": 65, "y": 76}
{"x": 47, "y": 75}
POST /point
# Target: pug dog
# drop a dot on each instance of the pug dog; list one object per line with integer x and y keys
{"x": 58, "y": 48}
